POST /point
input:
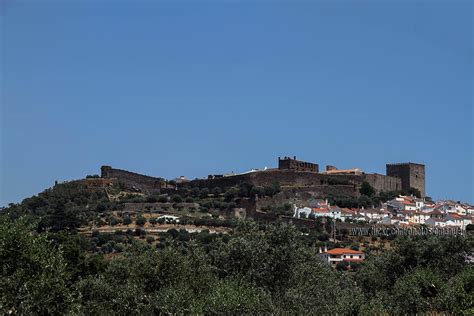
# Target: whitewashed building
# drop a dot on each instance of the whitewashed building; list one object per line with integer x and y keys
{"x": 336, "y": 255}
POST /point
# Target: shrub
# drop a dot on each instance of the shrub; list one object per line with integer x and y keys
{"x": 176, "y": 198}
{"x": 163, "y": 199}
{"x": 217, "y": 191}
{"x": 113, "y": 221}
{"x": 204, "y": 193}
{"x": 151, "y": 199}
{"x": 342, "y": 266}
{"x": 127, "y": 220}
{"x": 323, "y": 237}
{"x": 257, "y": 190}
{"x": 231, "y": 193}
{"x": 173, "y": 233}
{"x": 140, "y": 221}
{"x": 195, "y": 192}
{"x": 366, "y": 189}
{"x": 140, "y": 232}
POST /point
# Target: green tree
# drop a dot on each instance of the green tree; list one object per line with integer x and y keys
{"x": 163, "y": 199}
{"x": 414, "y": 192}
{"x": 317, "y": 287}
{"x": 416, "y": 292}
{"x": 140, "y": 221}
{"x": 204, "y": 193}
{"x": 176, "y": 198}
{"x": 342, "y": 266}
{"x": 216, "y": 191}
{"x": 127, "y": 220}
{"x": 367, "y": 189}
{"x": 231, "y": 193}
{"x": 257, "y": 190}
{"x": 457, "y": 295}
{"x": 235, "y": 297}
{"x": 34, "y": 276}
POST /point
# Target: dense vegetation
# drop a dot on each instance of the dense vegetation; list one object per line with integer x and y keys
{"x": 47, "y": 267}
{"x": 257, "y": 269}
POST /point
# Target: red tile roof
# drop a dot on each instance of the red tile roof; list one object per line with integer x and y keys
{"x": 320, "y": 210}
{"x": 344, "y": 251}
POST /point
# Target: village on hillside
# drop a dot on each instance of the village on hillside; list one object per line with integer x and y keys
{"x": 400, "y": 211}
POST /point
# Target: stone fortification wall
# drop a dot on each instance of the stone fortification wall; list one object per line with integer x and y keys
{"x": 282, "y": 177}
{"x": 320, "y": 184}
{"x": 133, "y": 181}
{"x": 297, "y": 165}
{"x": 383, "y": 183}
{"x": 292, "y": 178}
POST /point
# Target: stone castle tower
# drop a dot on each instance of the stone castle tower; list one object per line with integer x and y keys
{"x": 412, "y": 175}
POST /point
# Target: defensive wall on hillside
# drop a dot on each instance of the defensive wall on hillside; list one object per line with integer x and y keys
{"x": 133, "y": 181}
{"x": 383, "y": 183}
{"x": 303, "y": 181}
{"x": 292, "y": 174}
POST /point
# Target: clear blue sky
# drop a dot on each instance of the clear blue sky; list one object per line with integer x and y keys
{"x": 192, "y": 89}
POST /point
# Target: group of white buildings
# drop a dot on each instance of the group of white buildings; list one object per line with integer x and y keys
{"x": 403, "y": 210}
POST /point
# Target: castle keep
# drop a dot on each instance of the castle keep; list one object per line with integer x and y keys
{"x": 411, "y": 174}
{"x": 297, "y": 165}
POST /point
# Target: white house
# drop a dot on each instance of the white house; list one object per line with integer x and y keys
{"x": 455, "y": 219}
{"x": 469, "y": 210}
{"x": 347, "y": 213}
{"x": 373, "y": 214}
{"x": 390, "y": 220}
{"x": 401, "y": 219}
{"x": 333, "y": 212}
{"x": 467, "y": 220}
{"x": 361, "y": 218}
{"x": 419, "y": 203}
{"x": 168, "y": 218}
{"x": 437, "y": 222}
{"x": 302, "y": 212}
{"x": 336, "y": 255}
{"x": 407, "y": 206}
{"x": 427, "y": 209}
{"x": 416, "y": 217}
{"x": 459, "y": 209}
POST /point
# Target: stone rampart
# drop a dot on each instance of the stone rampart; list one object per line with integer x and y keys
{"x": 133, "y": 181}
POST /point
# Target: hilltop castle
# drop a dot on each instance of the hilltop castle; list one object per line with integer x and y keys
{"x": 292, "y": 175}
